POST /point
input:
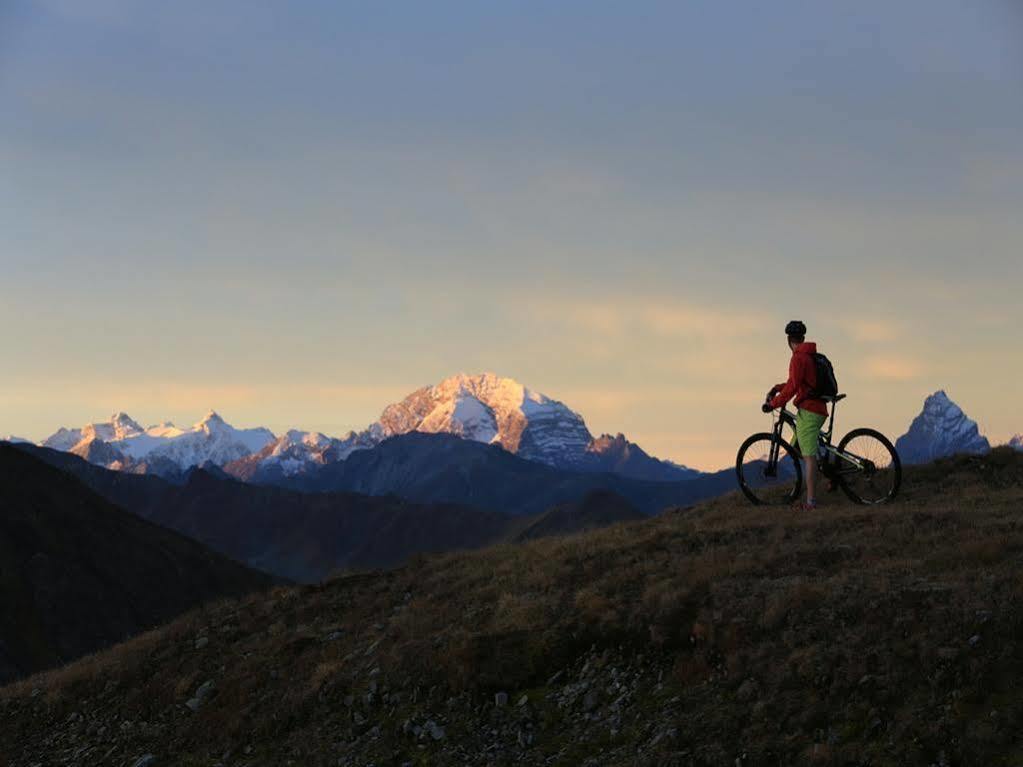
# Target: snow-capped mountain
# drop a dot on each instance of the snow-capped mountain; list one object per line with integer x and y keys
{"x": 483, "y": 408}
{"x": 492, "y": 409}
{"x": 941, "y": 429}
{"x": 1016, "y": 442}
{"x": 119, "y": 427}
{"x": 212, "y": 440}
{"x": 488, "y": 408}
{"x": 121, "y": 443}
{"x": 295, "y": 452}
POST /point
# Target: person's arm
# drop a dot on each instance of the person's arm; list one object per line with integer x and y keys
{"x": 787, "y": 390}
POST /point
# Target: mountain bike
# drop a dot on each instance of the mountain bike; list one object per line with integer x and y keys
{"x": 864, "y": 463}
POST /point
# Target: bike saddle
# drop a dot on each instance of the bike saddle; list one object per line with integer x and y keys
{"x": 836, "y": 398}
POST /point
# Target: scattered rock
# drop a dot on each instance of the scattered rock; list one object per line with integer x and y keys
{"x": 501, "y": 699}
{"x": 201, "y": 642}
{"x": 435, "y": 730}
{"x": 146, "y": 760}
{"x": 204, "y": 691}
{"x": 748, "y": 690}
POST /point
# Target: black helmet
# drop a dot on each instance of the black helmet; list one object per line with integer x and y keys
{"x": 795, "y": 328}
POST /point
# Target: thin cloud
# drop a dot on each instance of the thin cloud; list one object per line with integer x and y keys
{"x": 874, "y": 331}
{"x": 653, "y": 317}
{"x": 893, "y": 368}
{"x": 687, "y": 321}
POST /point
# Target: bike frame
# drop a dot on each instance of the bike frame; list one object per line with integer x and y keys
{"x": 785, "y": 416}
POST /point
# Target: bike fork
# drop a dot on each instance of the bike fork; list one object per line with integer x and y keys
{"x": 772, "y": 457}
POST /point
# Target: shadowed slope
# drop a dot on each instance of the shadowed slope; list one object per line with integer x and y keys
{"x": 599, "y": 508}
{"x": 303, "y": 536}
{"x": 78, "y": 574}
{"x": 432, "y": 468}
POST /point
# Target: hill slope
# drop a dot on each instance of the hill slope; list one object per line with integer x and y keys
{"x": 306, "y": 536}
{"x": 599, "y": 508}
{"x": 721, "y": 635}
{"x": 78, "y": 574}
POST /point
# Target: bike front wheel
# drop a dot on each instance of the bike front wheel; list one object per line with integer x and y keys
{"x": 868, "y": 467}
{"x": 768, "y": 470}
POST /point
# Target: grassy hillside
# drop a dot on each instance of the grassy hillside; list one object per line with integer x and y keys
{"x": 722, "y": 634}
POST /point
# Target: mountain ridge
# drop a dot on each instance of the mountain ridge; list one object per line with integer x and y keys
{"x": 940, "y": 430}
{"x": 306, "y": 536}
{"x": 485, "y": 408}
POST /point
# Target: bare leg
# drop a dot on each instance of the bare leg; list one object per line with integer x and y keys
{"x": 811, "y": 478}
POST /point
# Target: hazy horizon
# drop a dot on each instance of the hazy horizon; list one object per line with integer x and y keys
{"x": 296, "y": 215}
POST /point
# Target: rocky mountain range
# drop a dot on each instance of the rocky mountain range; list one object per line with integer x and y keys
{"x": 942, "y": 429}
{"x": 1016, "y": 442}
{"x": 482, "y": 408}
{"x": 164, "y": 449}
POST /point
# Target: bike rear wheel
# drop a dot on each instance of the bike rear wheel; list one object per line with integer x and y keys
{"x": 872, "y": 472}
{"x": 763, "y": 483}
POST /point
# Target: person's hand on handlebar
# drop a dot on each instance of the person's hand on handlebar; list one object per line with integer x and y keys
{"x": 766, "y": 407}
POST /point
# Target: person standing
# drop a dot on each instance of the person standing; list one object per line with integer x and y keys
{"x": 811, "y": 410}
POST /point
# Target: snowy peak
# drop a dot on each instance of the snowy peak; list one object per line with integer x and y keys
{"x": 942, "y": 429}
{"x": 1016, "y": 442}
{"x": 63, "y": 439}
{"x": 497, "y": 410}
{"x": 211, "y": 422}
{"x": 122, "y": 443}
{"x": 493, "y": 409}
{"x": 484, "y": 408}
{"x": 164, "y": 429}
{"x": 294, "y": 452}
{"x": 312, "y": 439}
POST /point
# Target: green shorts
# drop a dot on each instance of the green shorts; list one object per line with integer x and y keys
{"x": 808, "y": 428}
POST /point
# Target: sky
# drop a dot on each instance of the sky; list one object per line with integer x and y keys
{"x": 297, "y": 213}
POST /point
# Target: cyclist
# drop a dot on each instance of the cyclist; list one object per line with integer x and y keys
{"x": 811, "y": 411}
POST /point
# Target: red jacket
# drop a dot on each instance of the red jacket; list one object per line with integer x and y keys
{"x": 802, "y": 379}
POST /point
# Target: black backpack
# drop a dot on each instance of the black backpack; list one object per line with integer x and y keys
{"x": 827, "y": 384}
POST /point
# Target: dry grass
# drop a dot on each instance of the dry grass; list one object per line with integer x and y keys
{"x": 808, "y": 606}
